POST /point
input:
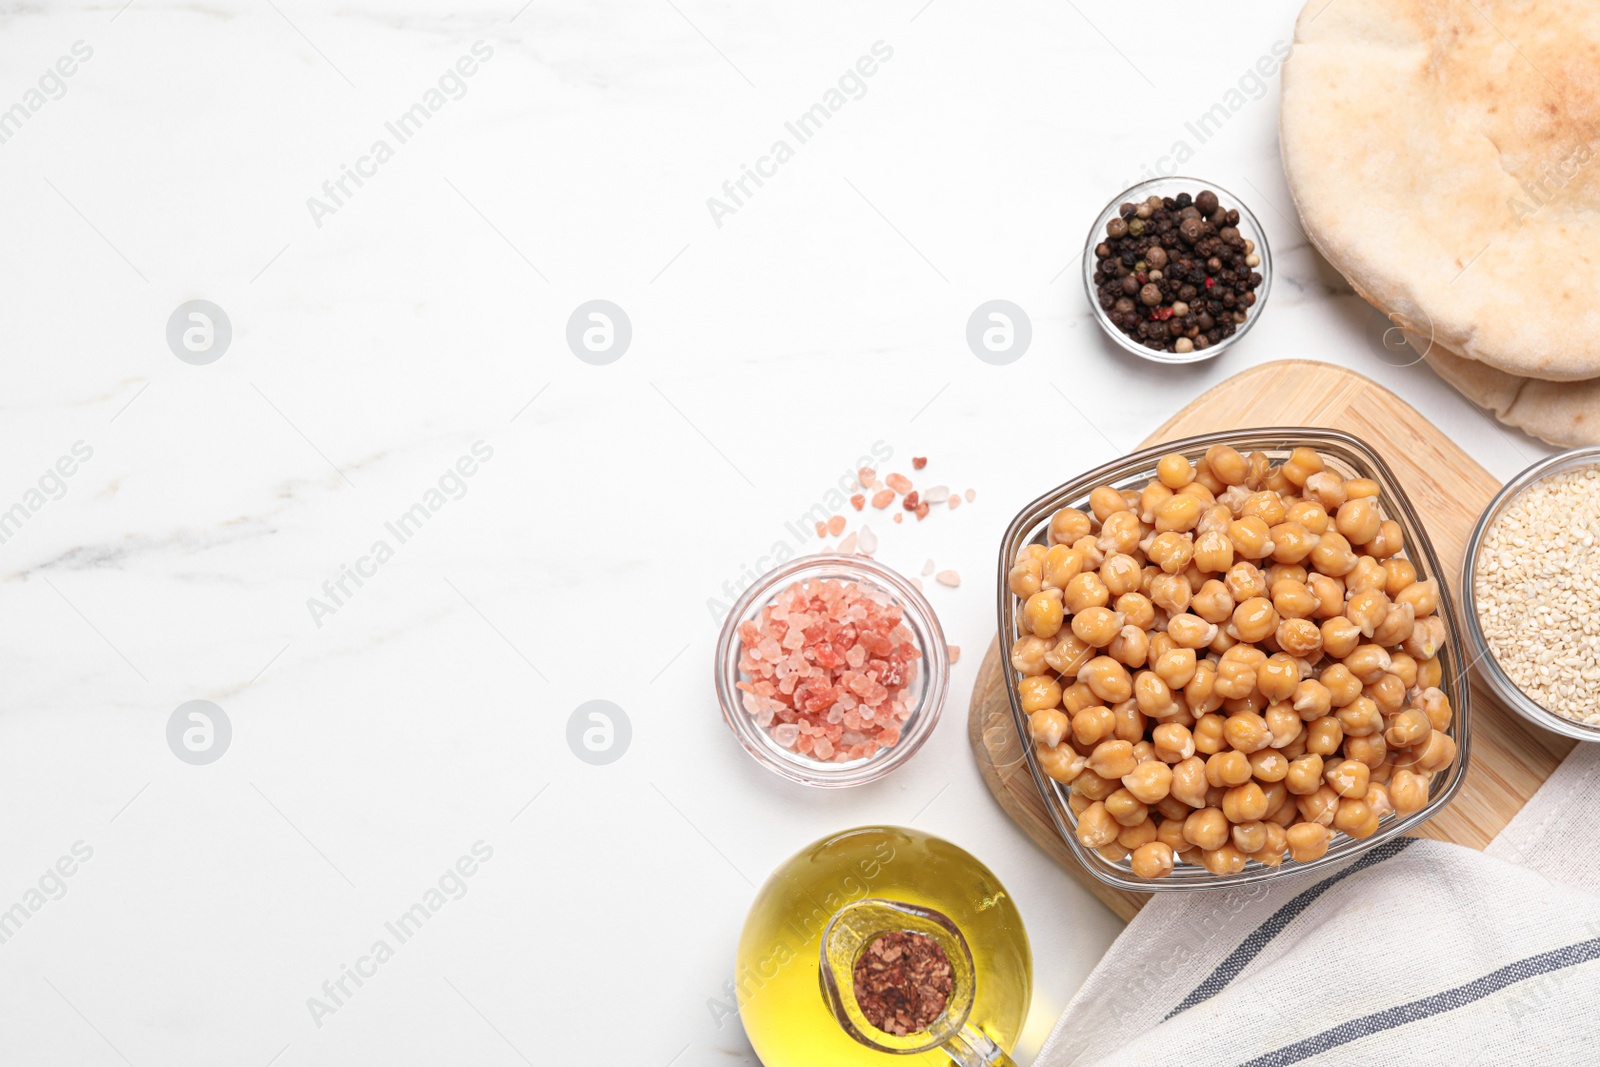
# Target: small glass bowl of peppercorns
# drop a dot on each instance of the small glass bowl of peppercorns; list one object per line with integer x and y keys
{"x": 1177, "y": 269}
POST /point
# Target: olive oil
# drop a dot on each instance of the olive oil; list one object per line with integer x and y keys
{"x": 777, "y": 974}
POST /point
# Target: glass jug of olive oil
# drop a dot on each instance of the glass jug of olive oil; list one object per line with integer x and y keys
{"x": 823, "y": 905}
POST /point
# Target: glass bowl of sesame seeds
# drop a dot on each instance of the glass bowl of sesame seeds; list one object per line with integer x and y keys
{"x": 831, "y": 670}
{"x": 1530, "y": 591}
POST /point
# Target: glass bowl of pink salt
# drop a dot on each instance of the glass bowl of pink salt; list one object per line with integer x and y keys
{"x": 832, "y": 670}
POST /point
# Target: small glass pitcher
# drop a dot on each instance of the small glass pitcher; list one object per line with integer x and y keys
{"x": 852, "y": 929}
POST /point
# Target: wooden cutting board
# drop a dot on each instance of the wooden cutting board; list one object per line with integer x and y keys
{"x": 1510, "y": 758}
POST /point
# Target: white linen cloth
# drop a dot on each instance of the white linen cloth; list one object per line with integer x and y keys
{"x": 1418, "y": 952}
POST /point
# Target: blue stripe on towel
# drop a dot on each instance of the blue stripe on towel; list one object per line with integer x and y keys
{"x": 1449, "y": 1000}
{"x": 1259, "y": 938}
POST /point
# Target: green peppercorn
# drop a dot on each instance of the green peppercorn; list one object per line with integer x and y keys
{"x": 1136, "y": 226}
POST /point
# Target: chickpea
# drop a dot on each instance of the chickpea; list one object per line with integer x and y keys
{"x": 1061, "y": 564}
{"x": 1125, "y": 808}
{"x": 1251, "y": 538}
{"x": 1038, "y": 693}
{"x": 1027, "y": 655}
{"x": 1356, "y": 818}
{"x": 1244, "y": 803}
{"x": 1201, "y": 692}
{"x": 1378, "y": 799}
{"x": 1088, "y": 546}
{"x": 1360, "y": 718}
{"x": 1390, "y": 540}
{"x": 1427, "y": 638}
{"x": 1208, "y": 734}
{"x": 1092, "y": 786}
{"x": 1340, "y": 637}
{"x": 1224, "y": 860}
{"x": 1312, "y": 515}
{"x": 1367, "y": 663}
{"x": 1190, "y": 632}
{"x": 1266, "y": 506}
{"x": 1358, "y": 520}
{"x": 1368, "y": 575}
{"x": 1299, "y": 638}
{"x": 1059, "y": 762}
{"x": 1248, "y": 732}
{"x": 1302, "y": 463}
{"x": 1131, "y": 647}
{"x": 1234, "y": 679}
{"x": 1307, "y": 841}
{"x": 1370, "y": 750}
{"x": 1229, "y": 467}
{"x": 1398, "y": 574}
{"x": 1250, "y": 837}
{"x": 1254, "y": 619}
{"x": 1312, "y": 700}
{"x": 1171, "y": 551}
{"x": 1348, "y": 778}
{"x": 1048, "y": 725}
{"x": 1130, "y": 725}
{"x": 1076, "y": 697}
{"x": 1436, "y": 706}
{"x": 1408, "y": 791}
{"x": 1403, "y": 667}
{"x": 1136, "y": 836}
{"x": 1109, "y": 679}
{"x": 1180, "y": 514}
{"x": 1136, "y": 610}
{"x": 1213, "y": 603}
{"x": 1213, "y": 551}
{"x": 1292, "y": 542}
{"x": 1175, "y": 667}
{"x": 1096, "y": 827}
{"x": 1227, "y": 769}
{"x": 1278, "y": 677}
{"x": 1067, "y": 525}
{"x": 1388, "y": 692}
{"x": 1025, "y": 578}
{"x": 1343, "y": 686}
{"x": 1327, "y": 489}
{"x": 1150, "y": 500}
{"x": 1245, "y": 580}
{"x": 1112, "y": 853}
{"x": 1173, "y": 742}
{"x": 1206, "y": 828}
{"x": 1293, "y": 600}
{"x": 1105, "y": 501}
{"x": 1366, "y": 610}
{"x": 1254, "y": 704}
{"x": 1437, "y": 752}
{"x": 1304, "y": 775}
{"x": 1120, "y": 574}
{"x": 1423, "y": 597}
{"x": 1329, "y": 592}
{"x": 1120, "y": 533}
{"x": 1078, "y": 803}
{"x": 1154, "y": 859}
{"x": 1324, "y": 736}
{"x": 1152, "y": 695}
{"x": 1149, "y": 782}
{"x": 1319, "y": 806}
{"x": 1068, "y": 654}
{"x": 1269, "y": 765}
{"x": 1271, "y": 853}
{"x": 1093, "y": 725}
{"x": 1333, "y": 555}
{"x": 1284, "y": 723}
{"x": 1189, "y": 783}
{"x": 1042, "y": 613}
{"x": 1170, "y": 832}
{"x": 1399, "y": 623}
{"x": 1112, "y": 759}
{"x": 1096, "y": 626}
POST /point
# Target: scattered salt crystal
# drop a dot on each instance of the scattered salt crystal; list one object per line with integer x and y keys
{"x": 927, "y": 568}
{"x": 954, "y": 652}
{"x": 937, "y": 495}
{"x": 899, "y": 515}
{"x": 955, "y": 501}
{"x": 899, "y": 483}
{"x": 786, "y": 734}
{"x": 866, "y": 476}
{"x": 883, "y": 498}
{"x": 822, "y": 529}
{"x": 848, "y": 545}
{"x": 972, "y": 494}
{"x": 867, "y": 541}
{"x": 858, "y": 501}
{"x": 950, "y": 578}
{"x": 836, "y": 525}
{"x": 918, "y": 462}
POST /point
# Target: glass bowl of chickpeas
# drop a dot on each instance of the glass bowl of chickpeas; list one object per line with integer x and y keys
{"x": 1232, "y": 657}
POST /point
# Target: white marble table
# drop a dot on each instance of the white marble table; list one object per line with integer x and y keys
{"x": 385, "y": 331}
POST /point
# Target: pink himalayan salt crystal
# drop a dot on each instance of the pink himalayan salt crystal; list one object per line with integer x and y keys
{"x": 868, "y": 540}
{"x": 955, "y": 502}
{"x": 867, "y": 477}
{"x": 927, "y": 568}
{"x": 899, "y": 515}
{"x": 950, "y": 578}
{"x": 828, "y": 666}
{"x": 954, "y": 652}
{"x": 898, "y": 482}
{"x": 972, "y": 494}
{"x": 848, "y": 545}
{"x": 937, "y": 495}
{"x": 883, "y": 498}
{"x": 836, "y": 525}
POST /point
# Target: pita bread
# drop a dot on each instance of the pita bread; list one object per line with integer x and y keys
{"x": 1562, "y": 413}
{"x": 1445, "y": 157}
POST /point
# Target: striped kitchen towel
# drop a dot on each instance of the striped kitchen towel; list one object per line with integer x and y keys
{"x": 1417, "y": 952}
